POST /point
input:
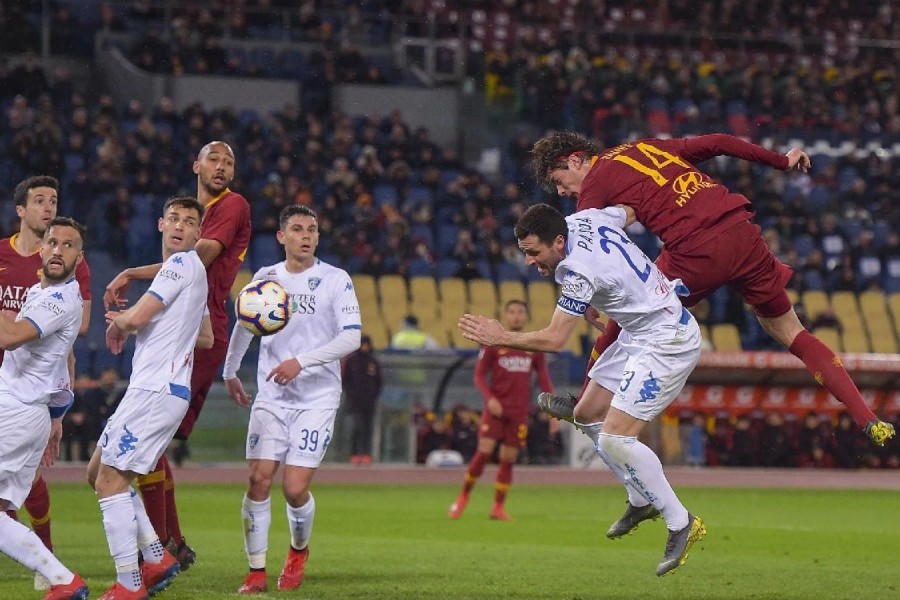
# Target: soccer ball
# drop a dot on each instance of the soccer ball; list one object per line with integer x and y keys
{"x": 263, "y": 307}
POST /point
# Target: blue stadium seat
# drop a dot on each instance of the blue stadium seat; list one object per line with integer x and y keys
{"x": 447, "y": 267}
{"x": 509, "y": 272}
{"x": 419, "y": 267}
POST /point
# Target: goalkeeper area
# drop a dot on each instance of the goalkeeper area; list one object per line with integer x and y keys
{"x": 391, "y": 540}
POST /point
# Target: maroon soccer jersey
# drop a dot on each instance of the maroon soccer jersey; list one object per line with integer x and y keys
{"x": 226, "y": 220}
{"x": 674, "y": 200}
{"x": 510, "y": 373}
{"x": 18, "y": 273}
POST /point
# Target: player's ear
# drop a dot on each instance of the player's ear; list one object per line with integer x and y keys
{"x": 279, "y": 235}
{"x": 196, "y": 167}
{"x": 159, "y": 225}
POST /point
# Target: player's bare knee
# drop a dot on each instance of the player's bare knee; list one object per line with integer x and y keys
{"x": 259, "y": 484}
{"x": 296, "y": 494}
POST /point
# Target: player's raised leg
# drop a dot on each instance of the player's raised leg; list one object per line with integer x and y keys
{"x": 823, "y": 364}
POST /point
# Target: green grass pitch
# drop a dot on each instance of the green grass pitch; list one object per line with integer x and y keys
{"x": 396, "y": 542}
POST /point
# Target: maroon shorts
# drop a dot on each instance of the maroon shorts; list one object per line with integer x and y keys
{"x": 738, "y": 258}
{"x": 509, "y": 432}
{"x": 207, "y": 364}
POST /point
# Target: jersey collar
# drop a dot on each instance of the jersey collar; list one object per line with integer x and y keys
{"x": 225, "y": 192}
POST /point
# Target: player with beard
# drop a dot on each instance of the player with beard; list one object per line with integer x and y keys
{"x": 35, "y": 392}
{"x": 225, "y": 237}
{"x": 36, "y": 200}
{"x": 506, "y": 407}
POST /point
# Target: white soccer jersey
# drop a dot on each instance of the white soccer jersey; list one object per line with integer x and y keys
{"x": 604, "y": 269}
{"x": 164, "y": 349}
{"x": 324, "y": 304}
{"x": 37, "y": 372}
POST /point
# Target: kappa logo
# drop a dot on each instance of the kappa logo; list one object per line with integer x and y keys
{"x": 650, "y": 389}
{"x": 126, "y": 442}
{"x": 56, "y": 295}
{"x": 348, "y": 287}
{"x": 177, "y": 260}
{"x": 314, "y": 283}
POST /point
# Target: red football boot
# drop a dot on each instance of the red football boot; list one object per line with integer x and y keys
{"x": 292, "y": 575}
{"x": 254, "y": 583}
{"x": 159, "y": 576}
{"x": 457, "y": 508}
{"x": 120, "y": 592}
{"x": 74, "y": 590}
{"x": 499, "y": 514}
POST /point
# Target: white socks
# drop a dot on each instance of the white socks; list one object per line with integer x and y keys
{"x": 300, "y": 520}
{"x": 147, "y": 540}
{"x": 256, "y": 516}
{"x": 120, "y": 523}
{"x": 643, "y": 471}
{"x": 592, "y": 430}
{"x": 22, "y": 545}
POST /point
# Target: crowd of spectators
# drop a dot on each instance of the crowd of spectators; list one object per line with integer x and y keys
{"x": 457, "y": 430}
{"x": 771, "y": 440}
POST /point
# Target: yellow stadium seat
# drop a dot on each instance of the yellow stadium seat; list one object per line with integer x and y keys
{"x": 830, "y": 337}
{"x": 705, "y": 336}
{"x": 378, "y": 333}
{"x": 243, "y": 277}
{"x": 394, "y": 297}
{"x": 483, "y": 298}
{"x": 882, "y": 335}
{"x": 436, "y": 329}
{"x": 846, "y": 308}
{"x": 726, "y": 337}
{"x": 453, "y": 292}
{"x": 365, "y": 288}
{"x": 893, "y": 301}
{"x": 461, "y": 343}
{"x": 793, "y": 295}
{"x": 541, "y": 302}
{"x": 512, "y": 290}
{"x": 423, "y": 295}
{"x": 815, "y": 302}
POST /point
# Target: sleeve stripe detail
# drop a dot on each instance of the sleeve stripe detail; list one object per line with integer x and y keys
{"x": 157, "y": 296}
{"x": 353, "y": 327}
{"x": 570, "y": 305}
{"x": 36, "y": 326}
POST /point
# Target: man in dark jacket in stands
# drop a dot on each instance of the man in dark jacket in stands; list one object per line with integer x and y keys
{"x": 362, "y": 386}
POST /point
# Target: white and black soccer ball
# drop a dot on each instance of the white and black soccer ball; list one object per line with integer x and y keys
{"x": 263, "y": 307}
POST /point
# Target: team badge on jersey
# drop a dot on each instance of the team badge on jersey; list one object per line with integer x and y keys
{"x": 254, "y": 440}
{"x": 314, "y": 283}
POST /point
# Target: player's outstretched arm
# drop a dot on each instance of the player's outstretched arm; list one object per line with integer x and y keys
{"x": 15, "y": 333}
{"x": 113, "y": 295}
{"x": 489, "y": 332}
{"x": 237, "y": 348}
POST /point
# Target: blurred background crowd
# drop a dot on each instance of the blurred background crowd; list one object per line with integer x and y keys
{"x": 391, "y": 200}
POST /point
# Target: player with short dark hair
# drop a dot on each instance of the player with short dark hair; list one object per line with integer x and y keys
{"x": 298, "y": 379}
{"x": 36, "y": 392}
{"x": 640, "y": 374}
{"x": 36, "y": 200}
{"x": 709, "y": 239}
{"x": 225, "y": 237}
{"x": 507, "y": 404}
{"x": 168, "y": 322}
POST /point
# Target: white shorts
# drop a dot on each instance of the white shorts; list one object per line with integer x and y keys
{"x": 140, "y": 430}
{"x": 294, "y": 436}
{"x": 24, "y": 431}
{"x": 645, "y": 378}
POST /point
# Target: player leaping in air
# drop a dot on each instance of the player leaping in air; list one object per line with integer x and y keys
{"x": 709, "y": 240}
{"x": 644, "y": 370}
